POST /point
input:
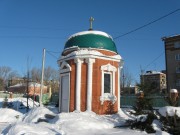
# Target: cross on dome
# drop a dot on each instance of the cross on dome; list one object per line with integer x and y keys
{"x": 91, "y": 21}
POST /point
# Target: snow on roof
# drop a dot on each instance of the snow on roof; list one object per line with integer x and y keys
{"x": 17, "y": 85}
{"x": 89, "y": 52}
{"x": 90, "y": 32}
{"x": 32, "y": 84}
{"x": 173, "y": 91}
{"x": 171, "y": 36}
{"x": 153, "y": 73}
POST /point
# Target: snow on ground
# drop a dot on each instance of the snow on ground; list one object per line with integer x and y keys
{"x": 43, "y": 121}
{"x": 22, "y": 128}
{"x": 9, "y": 115}
{"x": 36, "y": 113}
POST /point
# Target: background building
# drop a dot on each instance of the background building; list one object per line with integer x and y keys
{"x": 33, "y": 88}
{"x": 172, "y": 57}
{"x": 155, "y": 80}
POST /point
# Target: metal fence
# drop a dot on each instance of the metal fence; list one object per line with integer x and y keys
{"x": 3, "y": 95}
{"x": 126, "y": 100}
{"x": 157, "y": 101}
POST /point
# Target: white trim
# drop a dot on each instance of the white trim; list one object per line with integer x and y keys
{"x": 108, "y": 96}
{"x": 90, "y": 62}
{"x": 119, "y": 92}
{"x": 76, "y": 48}
{"x": 78, "y": 83}
{"x": 60, "y": 91}
{"x": 119, "y": 84}
{"x": 87, "y": 53}
{"x": 109, "y": 67}
{"x": 66, "y": 69}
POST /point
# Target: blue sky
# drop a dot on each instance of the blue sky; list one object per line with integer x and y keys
{"x": 28, "y": 26}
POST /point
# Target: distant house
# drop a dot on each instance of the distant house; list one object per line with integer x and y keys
{"x": 156, "y": 80}
{"x": 33, "y": 88}
{"x": 129, "y": 90}
{"x": 16, "y": 80}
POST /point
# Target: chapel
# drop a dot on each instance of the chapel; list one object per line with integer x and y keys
{"x": 90, "y": 73}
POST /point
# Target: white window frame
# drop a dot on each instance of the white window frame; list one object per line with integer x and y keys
{"x": 108, "y": 96}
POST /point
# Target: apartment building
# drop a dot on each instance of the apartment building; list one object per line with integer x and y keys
{"x": 155, "y": 80}
{"x": 172, "y": 57}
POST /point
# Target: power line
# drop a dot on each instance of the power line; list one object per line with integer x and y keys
{"x": 148, "y": 23}
{"x": 53, "y": 52}
{"x": 142, "y": 70}
{"x": 153, "y": 60}
{"x": 52, "y": 55}
{"x": 37, "y": 28}
{"x": 39, "y": 37}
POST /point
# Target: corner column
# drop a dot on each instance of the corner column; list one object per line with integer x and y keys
{"x": 78, "y": 83}
{"x": 90, "y": 62}
{"x": 119, "y": 89}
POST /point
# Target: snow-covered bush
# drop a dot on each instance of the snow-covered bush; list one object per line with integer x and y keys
{"x": 170, "y": 119}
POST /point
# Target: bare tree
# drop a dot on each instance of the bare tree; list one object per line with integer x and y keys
{"x": 35, "y": 74}
{"x": 126, "y": 79}
{"x": 47, "y": 74}
{"x": 6, "y": 73}
{"x": 51, "y": 77}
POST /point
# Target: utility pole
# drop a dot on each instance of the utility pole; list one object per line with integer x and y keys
{"x": 27, "y": 90}
{"x": 42, "y": 77}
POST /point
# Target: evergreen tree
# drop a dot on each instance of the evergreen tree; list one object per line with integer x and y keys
{"x": 5, "y": 102}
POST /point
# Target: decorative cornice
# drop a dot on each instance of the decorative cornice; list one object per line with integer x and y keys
{"x": 87, "y": 53}
{"x": 89, "y": 60}
{"x": 109, "y": 67}
{"x": 78, "y": 60}
{"x": 65, "y": 67}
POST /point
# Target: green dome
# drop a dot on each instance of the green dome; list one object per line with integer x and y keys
{"x": 91, "y": 39}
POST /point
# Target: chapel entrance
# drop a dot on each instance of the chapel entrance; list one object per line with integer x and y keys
{"x": 65, "y": 93}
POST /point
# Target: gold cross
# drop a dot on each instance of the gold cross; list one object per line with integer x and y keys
{"x": 91, "y": 21}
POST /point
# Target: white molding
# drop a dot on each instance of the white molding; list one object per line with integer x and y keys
{"x": 78, "y": 83}
{"x": 66, "y": 69}
{"x": 108, "y": 97}
{"x": 109, "y": 67}
{"x": 90, "y": 62}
